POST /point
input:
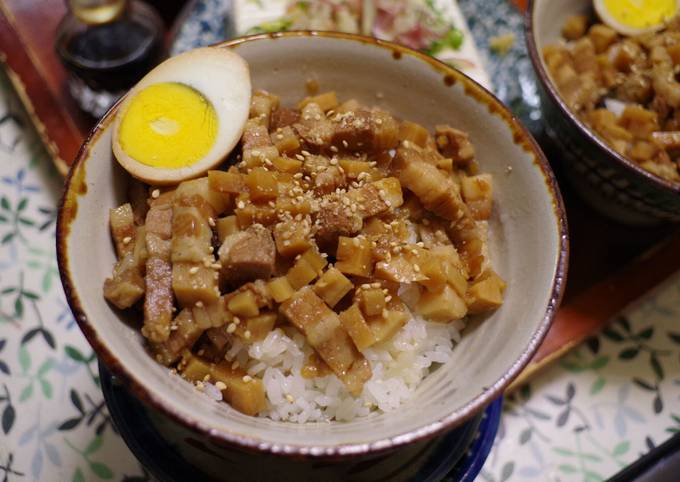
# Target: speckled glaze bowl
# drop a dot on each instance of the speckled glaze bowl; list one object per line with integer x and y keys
{"x": 614, "y": 185}
{"x": 528, "y": 246}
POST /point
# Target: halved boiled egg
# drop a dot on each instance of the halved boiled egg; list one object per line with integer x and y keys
{"x": 633, "y": 17}
{"x": 184, "y": 117}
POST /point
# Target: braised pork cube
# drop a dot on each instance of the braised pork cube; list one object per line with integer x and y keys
{"x": 376, "y": 197}
{"x": 292, "y": 237}
{"x": 477, "y": 191}
{"x": 194, "y": 278}
{"x": 184, "y": 332}
{"x": 122, "y": 223}
{"x": 262, "y": 105}
{"x": 364, "y": 130}
{"x": 284, "y": 117}
{"x": 324, "y": 332}
{"x": 158, "y": 302}
{"x": 257, "y": 145}
{"x": 352, "y": 130}
{"x": 403, "y": 266}
{"x": 314, "y": 127}
{"x": 334, "y": 219}
{"x": 126, "y": 285}
{"x": 248, "y": 255}
{"x": 435, "y": 190}
{"x": 455, "y": 145}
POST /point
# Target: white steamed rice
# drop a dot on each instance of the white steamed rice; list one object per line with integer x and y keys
{"x": 398, "y": 366}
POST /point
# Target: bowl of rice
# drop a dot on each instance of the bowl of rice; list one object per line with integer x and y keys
{"x": 435, "y": 370}
{"x": 609, "y": 112}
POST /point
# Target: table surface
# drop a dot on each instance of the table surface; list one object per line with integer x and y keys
{"x": 585, "y": 418}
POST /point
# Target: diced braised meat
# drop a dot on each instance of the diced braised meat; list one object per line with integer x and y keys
{"x": 314, "y": 127}
{"x": 455, "y": 145}
{"x": 248, "y": 255}
{"x": 324, "y": 332}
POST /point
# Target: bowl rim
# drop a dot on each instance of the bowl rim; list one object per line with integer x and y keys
{"x": 548, "y": 85}
{"x": 335, "y": 452}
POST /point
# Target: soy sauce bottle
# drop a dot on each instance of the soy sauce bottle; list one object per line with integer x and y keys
{"x": 106, "y": 47}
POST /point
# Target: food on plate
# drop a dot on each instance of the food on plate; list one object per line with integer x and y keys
{"x": 633, "y": 17}
{"x": 415, "y": 23}
{"x": 183, "y": 117}
{"x": 624, "y": 88}
{"x": 322, "y": 274}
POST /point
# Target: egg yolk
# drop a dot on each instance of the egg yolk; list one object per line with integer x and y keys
{"x": 641, "y": 13}
{"x": 168, "y": 125}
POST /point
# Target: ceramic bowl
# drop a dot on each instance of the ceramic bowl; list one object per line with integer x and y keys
{"x": 609, "y": 182}
{"x": 528, "y": 246}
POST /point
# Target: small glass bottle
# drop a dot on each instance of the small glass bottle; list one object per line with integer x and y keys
{"x": 106, "y": 47}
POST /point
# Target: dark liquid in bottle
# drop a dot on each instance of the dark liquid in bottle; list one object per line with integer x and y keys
{"x": 113, "y": 56}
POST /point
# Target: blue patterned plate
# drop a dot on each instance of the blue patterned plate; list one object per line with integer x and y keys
{"x": 513, "y": 79}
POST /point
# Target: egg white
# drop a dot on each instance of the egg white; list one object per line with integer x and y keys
{"x": 223, "y": 78}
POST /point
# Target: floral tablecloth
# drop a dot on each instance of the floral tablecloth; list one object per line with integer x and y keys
{"x": 596, "y": 411}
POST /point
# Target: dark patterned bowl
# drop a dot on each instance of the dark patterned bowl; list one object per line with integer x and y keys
{"x": 609, "y": 182}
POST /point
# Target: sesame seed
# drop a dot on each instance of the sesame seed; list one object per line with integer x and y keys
{"x": 220, "y": 385}
{"x": 247, "y": 334}
{"x": 235, "y": 365}
{"x": 247, "y": 378}
{"x": 193, "y": 270}
{"x": 388, "y": 298}
{"x": 211, "y": 222}
{"x": 206, "y": 377}
{"x": 416, "y": 268}
{"x": 199, "y": 386}
{"x": 384, "y": 313}
{"x": 199, "y": 304}
{"x": 127, "y": 239}
{"x": 241, "y": 204}
{"x": 155, "y": 193}
{"x": 290, "y": 398}
{"x": 334, "y": 149}
{"x": 334, "y": 162}
{"x": 299, "y": 157}
{"x": 236, "y": 320}
{"x": 279, "y": 136}
{"x": 344, "y": 143}
{"x": 231, "y": 328}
